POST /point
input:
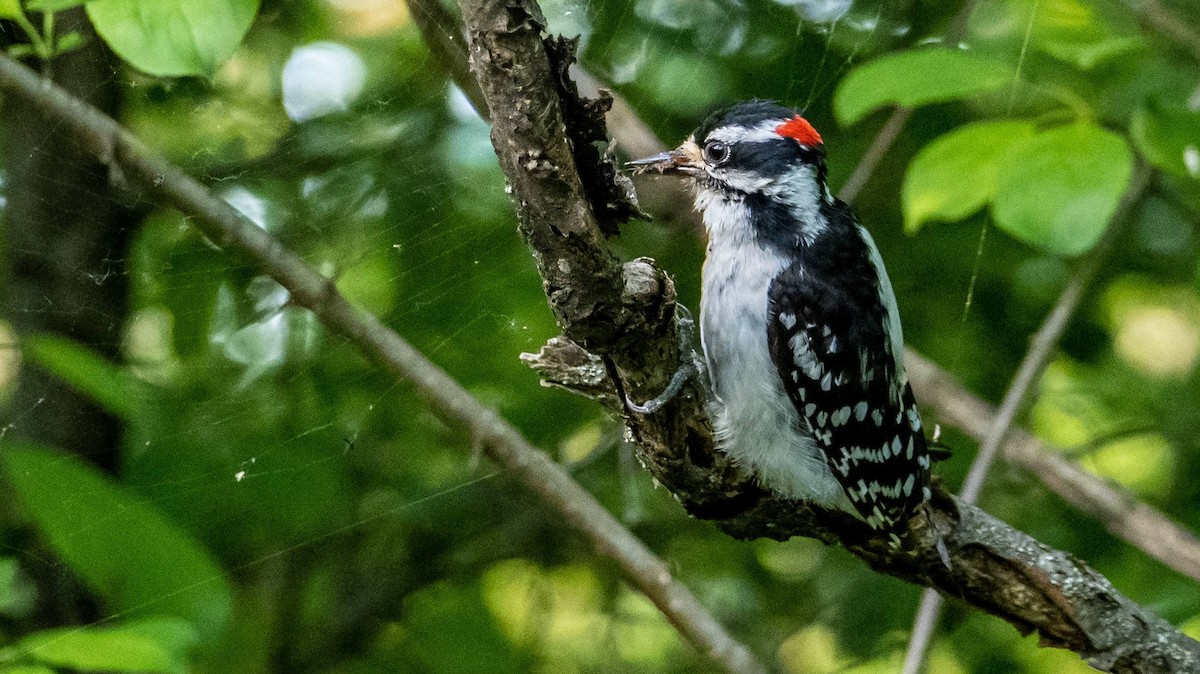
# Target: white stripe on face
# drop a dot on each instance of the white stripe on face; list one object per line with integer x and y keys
{"x": 735, "y": 133}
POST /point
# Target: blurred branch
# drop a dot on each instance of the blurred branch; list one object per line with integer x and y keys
{"x": 442, "y": 33}
{"x": 1042, "y": 344}
{"x": 895, "y": 123}
{"x": 1166, "y": 23}
{"x": 1030, "y": 371}
{"x": 1141, "y": 525}
{"x": 875, "y": 152}
{"x": 135, "y": 165}
{"x": 622, "y": 313}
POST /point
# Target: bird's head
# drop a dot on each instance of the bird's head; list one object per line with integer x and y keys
{"x": 757, "y": 147}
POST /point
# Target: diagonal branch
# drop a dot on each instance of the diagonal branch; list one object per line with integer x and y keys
{"x": 890, "y": 131}
{"x": 1166, "y": 23}
{"x": 1042, "y": 345}
{"x": 1033, "y": 365}
{"x": 990, "y": 565}
{"x": 503, "y": 443}
{"x": 1119, "y": 511}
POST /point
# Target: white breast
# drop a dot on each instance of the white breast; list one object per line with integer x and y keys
{"x": 755, "y": 421}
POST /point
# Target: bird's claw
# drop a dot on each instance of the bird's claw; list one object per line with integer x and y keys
{"x": 655, "y": 404}
{"x": 692, "y": 364}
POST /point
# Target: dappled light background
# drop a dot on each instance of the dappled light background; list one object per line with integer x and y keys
{"x": 332, "y": 524}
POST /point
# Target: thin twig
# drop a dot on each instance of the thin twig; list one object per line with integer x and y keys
{"x": 870, "y": 160}
{"x": 890, "y": 131}
{"x": 501, "y": 441}
{"x": 1166, "y": 23}
{"x": 1037, "y": 357}
{"x": 928, "y": 610}
{"x": 1042, "y": 344}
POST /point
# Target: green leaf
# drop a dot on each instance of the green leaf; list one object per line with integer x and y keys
{"x": 68, "y": 42}
{"x": 153, "y": 646}
{"x": 1169, "y": 137}
{"x": 20, "y": 51}
{"x": 52, "y": 5}
{"x": 10, "y": 9}
{"x": 1071, "y": 32}
{"x": 173, "y": 37}
{"x": 122, "y": 547}
{"x": 14, "y": 597}
{"x": 1058, "y": 190}
{"x": 955, "y": 175}
{"x": 109, "y": 385}
{"x": 919, "y": 77}
{"x": 1089, "y": 54}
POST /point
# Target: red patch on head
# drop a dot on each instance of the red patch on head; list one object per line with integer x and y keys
{"x": 799, "y": 129}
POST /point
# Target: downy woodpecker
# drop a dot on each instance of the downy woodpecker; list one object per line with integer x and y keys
{"x": 798, "y": 321}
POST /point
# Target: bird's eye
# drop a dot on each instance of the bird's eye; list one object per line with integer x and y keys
{"x": 716, "y": 153}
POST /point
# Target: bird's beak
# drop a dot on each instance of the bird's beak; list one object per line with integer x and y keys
{"x": 683, "y": 159}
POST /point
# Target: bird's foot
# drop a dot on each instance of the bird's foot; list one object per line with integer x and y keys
{"x": 656, "y": 403}
{"x": 691, "y": 365}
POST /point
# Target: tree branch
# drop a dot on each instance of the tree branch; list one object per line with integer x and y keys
{"x": 992, "y": 566}
{"x": 138, "y": 166}
{"x": 1126, "y": 517}
{"x": 442, "y": 34}
{"x": 1164, "y": 21}
{"x": 879, "y": 147}
{"x": 1029, "y": 373}
{"x": 895, "y": 123}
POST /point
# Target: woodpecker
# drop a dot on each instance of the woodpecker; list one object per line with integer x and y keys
{"x": 798, "y": 321}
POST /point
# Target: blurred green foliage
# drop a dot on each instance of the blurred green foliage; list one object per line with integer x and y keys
{"x": 284, "y": 506}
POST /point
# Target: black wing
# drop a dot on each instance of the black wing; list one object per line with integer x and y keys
{"x": 829, "y": 342}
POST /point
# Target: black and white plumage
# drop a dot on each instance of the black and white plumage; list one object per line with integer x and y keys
{"x": 799, "y": 324}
